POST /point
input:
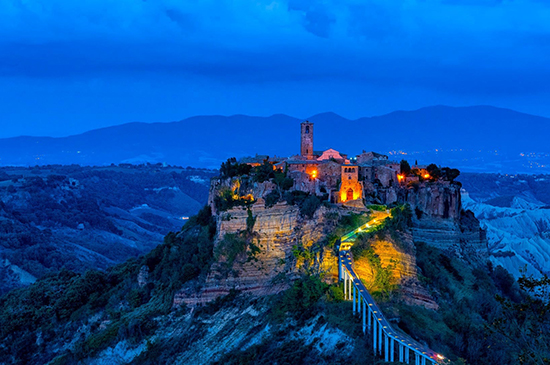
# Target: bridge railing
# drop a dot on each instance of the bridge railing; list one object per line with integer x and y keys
{"x": 385, "y": 338}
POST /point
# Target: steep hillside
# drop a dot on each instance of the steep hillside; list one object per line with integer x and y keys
{"x": 81, "y": 218}
{"x": 514, "y": 209}
{"x": 256, "y": 282}
{"x": 478, "y": 143}
{"x": 127, "y": 314}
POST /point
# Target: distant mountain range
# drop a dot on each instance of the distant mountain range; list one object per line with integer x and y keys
{"x": 477, "y": 138}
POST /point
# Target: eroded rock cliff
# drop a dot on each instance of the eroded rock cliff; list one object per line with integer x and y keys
{"x": 282, "y": 243}
{"x": 276, "y": 231}
{"x": 398, "y": 256}
{"x": 439, "y": 218}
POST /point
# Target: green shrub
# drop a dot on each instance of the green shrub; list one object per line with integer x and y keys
{"x": 379, "y": 208}
{"x": 271, "y": 199}
{"x": 250, "y": 221}
{"x": 300, "y": 301}
{"x": 231, "y": 246}
{"x": 231, "y": 168}
{"x": 310, "y": 206}
{"x": 263, "y": 172}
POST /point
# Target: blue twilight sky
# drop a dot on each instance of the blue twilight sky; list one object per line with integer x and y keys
{"x": 68, "y": 66}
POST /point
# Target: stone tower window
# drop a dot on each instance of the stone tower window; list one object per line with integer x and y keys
{"x": 307, "y": 128}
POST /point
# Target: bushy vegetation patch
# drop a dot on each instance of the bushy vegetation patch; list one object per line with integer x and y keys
{"x": 232, "y": 168}
{"x": 307, "y": 203}
{"x": 300, "y": 301}
{"x": 227, "y": 199}
{"x": 272, "y": 198}
{"x": 377, "y": 207}
{"x": 56, "y": 304}
{"x": 484, "y": 315}
{"x": 232, "y": 245}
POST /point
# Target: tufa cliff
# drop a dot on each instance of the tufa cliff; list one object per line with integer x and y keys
{"x": 260, "y": 248}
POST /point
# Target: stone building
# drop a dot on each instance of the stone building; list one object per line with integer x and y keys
{"x": 330, "y": 171}
{"x": 306, "y": 145}
{"x": 350, "y": 187}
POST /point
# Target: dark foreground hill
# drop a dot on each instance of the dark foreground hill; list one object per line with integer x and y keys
{"x": 79, "y": 218}
{"x": 478, "y": 138}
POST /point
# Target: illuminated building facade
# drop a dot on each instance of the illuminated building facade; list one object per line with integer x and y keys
{"x": 350, "y": 186}
{"x": 331, "y": 172}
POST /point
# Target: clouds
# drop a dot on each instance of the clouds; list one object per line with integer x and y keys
{"x": 467, "y": 51}
{"x": 395, "y": 27}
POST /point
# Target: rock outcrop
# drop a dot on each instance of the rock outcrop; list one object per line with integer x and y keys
{"x": 439, "y": 219}
{"x": 399, "y": 255}
{"x": 276, "y": 231}
{"x": 271, "y": 261}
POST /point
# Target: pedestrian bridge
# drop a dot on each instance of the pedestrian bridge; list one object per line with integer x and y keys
{"x": 393, "y": 345}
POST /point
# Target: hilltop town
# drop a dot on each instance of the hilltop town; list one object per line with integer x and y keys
{"x": 367, "y": 178}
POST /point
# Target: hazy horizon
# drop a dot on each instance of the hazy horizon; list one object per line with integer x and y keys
{"x": 69, "y": 68}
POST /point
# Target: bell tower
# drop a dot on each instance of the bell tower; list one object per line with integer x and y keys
{"x": 306, "y": 145}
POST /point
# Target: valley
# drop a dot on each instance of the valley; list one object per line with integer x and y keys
{"x": 79, "y": 218}
{"x": 515, "y": 211}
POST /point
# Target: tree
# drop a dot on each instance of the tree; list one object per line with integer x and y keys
{"x": 263, "y": 172}
{"x": 309, "y": 206}
{"x": 449, "y": 174}
{"x": 524, "y": 325}
{"x": 434, "y": 171}
{"x": 405, "y": 167}
{"x": 232, "y": 168}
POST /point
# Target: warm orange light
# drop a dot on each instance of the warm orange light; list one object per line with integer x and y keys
{"x": 314, "y": 174}
{"x": 400, "y": 177}
{"x": 248, "y": 197}
{"x": 426, "y": 176}
{"x": 344, "y": 196}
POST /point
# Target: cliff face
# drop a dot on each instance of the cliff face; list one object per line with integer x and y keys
{"x": 435, "y": 200}
{"x": 439, "y": 220}
{"x": 399, "y": 256}
{"x": 276, "y": 231}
